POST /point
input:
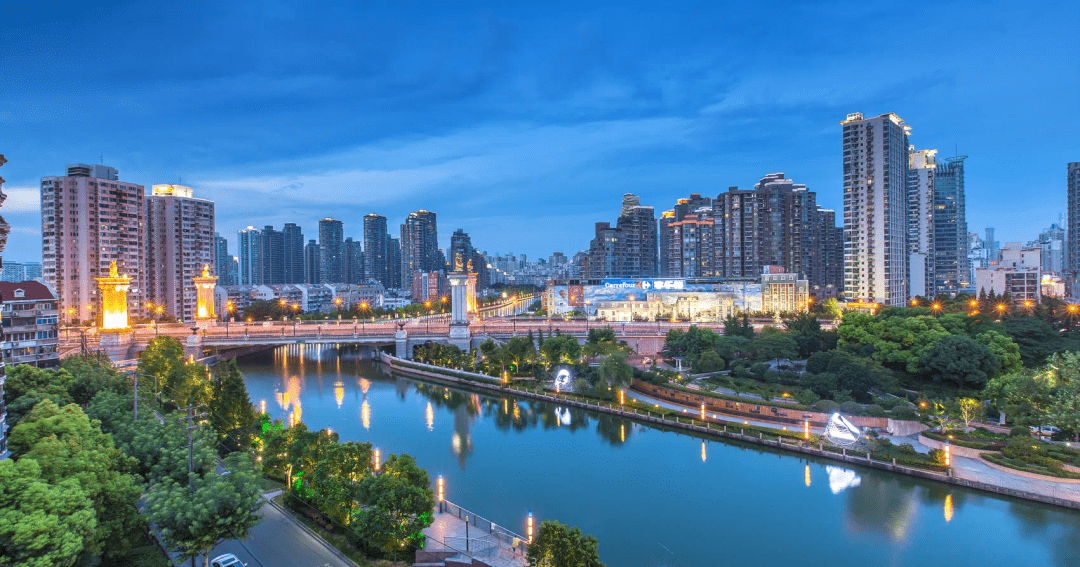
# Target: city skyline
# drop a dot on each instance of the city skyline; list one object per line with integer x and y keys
{"x": 573, "y": 116}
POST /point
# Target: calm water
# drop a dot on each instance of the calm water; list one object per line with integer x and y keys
{"x": 654, "y": 497}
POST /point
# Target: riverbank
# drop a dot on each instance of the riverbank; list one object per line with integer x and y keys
{"x": 987, "y": 483}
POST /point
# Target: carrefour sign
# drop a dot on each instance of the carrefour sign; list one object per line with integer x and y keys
{"x": 645, "y": 285}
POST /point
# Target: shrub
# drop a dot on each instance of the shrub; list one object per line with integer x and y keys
{"x": 1019, "y": 431}
{"x": 905, "y": 413}
{"x": 875, "y": 410}
{"x": 851, "y": 408}
{"x": 758, "y": 369}
{"x": 826, "y": 406}
{"x": 772, "y": 377}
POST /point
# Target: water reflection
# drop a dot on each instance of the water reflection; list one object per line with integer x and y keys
{"x": 496, "y": 435}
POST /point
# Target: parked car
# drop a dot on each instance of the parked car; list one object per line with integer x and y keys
{"x": 1045, "y": 430}
{"x": 227, "y": 560}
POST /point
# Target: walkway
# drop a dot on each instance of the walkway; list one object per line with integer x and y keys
{"x": 447, "y": 534}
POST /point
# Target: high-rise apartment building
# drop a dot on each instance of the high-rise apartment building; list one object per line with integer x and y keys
{"x": 179, "y": 242}
{"x": 920, "y": 222}
{"x": 272, "y": 256}
{"x": 4, "y": 230}
{"x": 875, "y": 165}
{"x": 638, "y": 225}
{"x": 1051, "y": 242}
{"x": 1072, "y": 255}
{"x": 331, "y": 239}
{"x": 777, "y": 223}
{"x": 375, "y": 249}
{"x": 224, "y": 264}
{"x": 21, "y": 272}
{"x": 690, "y": 245}
{"x": 249, "y": 241}
{"x": 951, "y": 271}
{"x": 312, "y": 263}
{"x": 393, "y": 261}
{"x": 701, "y": 207}
{"x": 89, "y": 219}
{"x": 606, "y": 252}
{"x": 354, "y": 261}
{"x": 419, "y": 245}
{"x": 293, "y": 253}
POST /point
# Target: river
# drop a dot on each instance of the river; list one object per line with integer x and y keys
{"x": 655, "y": 497}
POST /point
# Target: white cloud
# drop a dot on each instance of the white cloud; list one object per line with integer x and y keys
{"x": 22, "y": 200}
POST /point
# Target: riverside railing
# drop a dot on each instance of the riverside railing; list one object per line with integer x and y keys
{"x": 498, "y": 534}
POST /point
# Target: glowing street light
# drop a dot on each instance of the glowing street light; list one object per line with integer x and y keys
{"x": 441, "y": 492}
{"x": 529, "y": 527}
{"x": 914, "y": 302}
{"x": 375, "y": 459}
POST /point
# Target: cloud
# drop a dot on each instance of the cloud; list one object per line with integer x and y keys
{"x": 22, "y": 200}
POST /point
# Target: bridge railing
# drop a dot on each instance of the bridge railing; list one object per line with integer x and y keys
{"x": 501, "y": 535}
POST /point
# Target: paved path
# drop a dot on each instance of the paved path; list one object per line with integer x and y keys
{"x": 977, "y": 470}
{"x": 730, "y": 419}
{"x": 448, "y": 532}
{"x": 279, "y": 541}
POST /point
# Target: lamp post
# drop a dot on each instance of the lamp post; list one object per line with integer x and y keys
{"x": 529, "y": 527}
{"x": 229, "y": 307}
{"x": 441, "y": 492}
{"x": 375, "y": 459}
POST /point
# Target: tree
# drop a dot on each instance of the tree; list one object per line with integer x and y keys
{"x": 806, "y": 330}
{"x": 559, "y": 545}
{"x": 233, "y": 414}
{"x": 970, "y": 409}
{"x": 1004, "y": 348}
{"x": 736, "y": 327}
{"x": 187, "y": 385}
{"x": 42, "y": 524}
{"x": 1064, "y": 410}
{"x": 1035, "y": 339}
{"x": 561, "y": 348}
{"x": 162, "y": 356}
{"x": 67, "y": 445}
{"x": 961, "y": 360}
{"x": 709, "y": 361}
{"x": 219, "y": 507}
{"x": 615, "y": 371}
{"x": 773, "y": 343}
{"x": 1024, "y": 397}
{"x": 396, "y": 506}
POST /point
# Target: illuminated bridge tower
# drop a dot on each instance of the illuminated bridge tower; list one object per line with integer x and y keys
{"x": 114, "y": 327}
{"x": 204, "y": 297}
{"x": 461, "y": 300}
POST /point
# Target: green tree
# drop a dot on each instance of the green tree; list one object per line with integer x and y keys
{"x": 806, "y": 330}
{"x": 773, "y": 343}
{"x": 230, "y": 406}
{"x": 67, "y": 445}
{"x": 218, "y": 507}
{"x": 1036, "y": 339}
{"x": 1064, "y": 409}
{"x": 1024, "y": 397}
{"x": 561, "y": 349}
{"x": 188, "y": 385}
{"x": 709, "y": 361}
{"x": 162, "y": 356}
{"x": 559, "y": 545}
{"x": 1004, "y": 348}
{"x": 396, "y": 506}
{"x": 961, "y": 360}
{"x": 615, "y": 371}
{"x": 42, "y": 524}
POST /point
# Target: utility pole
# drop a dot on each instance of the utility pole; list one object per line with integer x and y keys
{"x": 136, "y": 395}
{"x": 190, "y": 417}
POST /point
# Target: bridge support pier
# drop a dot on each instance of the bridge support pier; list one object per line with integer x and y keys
{"x": 194, "y": 345}
{"x": 401, "y": 343}
{"x": 116, "y": 345}
{"x": 459, "y": 336}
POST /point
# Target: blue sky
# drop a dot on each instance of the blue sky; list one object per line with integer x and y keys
{"x": 524, "y": 123}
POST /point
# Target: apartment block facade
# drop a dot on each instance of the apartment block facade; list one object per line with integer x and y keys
{"x": 30, "y": 322}
{"x": 89, "y": 219}
{"x": 875, "y": 165}
{"x": 179, "y": 242}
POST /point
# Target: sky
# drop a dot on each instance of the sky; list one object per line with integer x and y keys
{"x": 524, "y": 123}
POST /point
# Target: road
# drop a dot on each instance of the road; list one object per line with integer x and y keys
{"x": 279, "y": 541}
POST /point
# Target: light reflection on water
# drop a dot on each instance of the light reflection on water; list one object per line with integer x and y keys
{"x": 642, "y": 491}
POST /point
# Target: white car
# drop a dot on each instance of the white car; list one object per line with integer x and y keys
{"x": 227, "y": 560}
{"x": 1045, "y": 430}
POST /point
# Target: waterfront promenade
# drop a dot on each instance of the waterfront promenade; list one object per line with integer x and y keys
{"x": 458, "y": 533}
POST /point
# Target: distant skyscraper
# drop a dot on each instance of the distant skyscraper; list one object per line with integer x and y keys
{"x": 225, "y": 264}
{"x": 668, "y": 265}
{"x": 293, "y": 254}
{"x": 1051, "y": 242}
{"x": 875, "y": 168}
{"x": 1072, "y": 257}
{"x": 992, "y": 246}
{"x": 179, "y": 243}
{"x": 375, "y": 249}
{"x": 312, "y": 263}
{"x": 249, "y": 241}
{"x": 419, "y": 245}
{"x": 331, "y": 237}
{"x": 354, "y": 261}
{"x": 272, "y": 256}
{"x": 951, "y": 271}
{"x": 393, "y": 261}
{"x": 606, "y": 253}
{"x": 80, "y": 213}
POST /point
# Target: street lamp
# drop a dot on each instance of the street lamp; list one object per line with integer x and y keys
{"x": 936, "y": 307}
{"x": 229, "y": 307}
